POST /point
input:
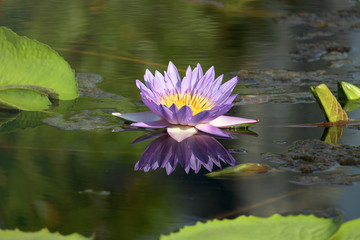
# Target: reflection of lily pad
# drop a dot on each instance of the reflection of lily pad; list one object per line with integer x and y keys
{"x": 31, "y": 65}
{"x": 332, "y": 134}
{"x": 255, "y": 228}
{"x": 40, "y": 235}
{"x": 21, "y": 120}
{"x": 351, "y": 105}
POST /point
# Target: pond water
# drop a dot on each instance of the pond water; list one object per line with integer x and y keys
{"x": 70, "y": 172}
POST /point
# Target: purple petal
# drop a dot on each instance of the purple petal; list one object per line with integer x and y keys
{"x": 230, "y": 99}
{"x": 205, "y": 83}
{"x": 169, "y": 84}
{"x": 184, "y": 115}
{"x": 229, "y": 85}
{"x": 195, "y": 76}
{"x": 169, "y": 113}
{"x": 173, "y": 75}
{"x": 152, "y": 106}
{"x": 146, "y": 91}
{"x": 199, "y": 71}
{"x": 138, "y": 116}
{"x": 158, "y": 84}
{"x": 186, "y": 82}
{"x": 148, "y": 78}
{"x": 227, "y": 121}
{"x": 198, "y": 118}
{"x": 152, "y": 124}
{"x": 207, "y": 128}
{"x": 223, "y": 97}
{"x": 225, "y": 91}
{"x": 217, "y": 82}
{"x": 180, "y": 133}
{"x": 218, "y": 111}
{"x": 174, "y": 109}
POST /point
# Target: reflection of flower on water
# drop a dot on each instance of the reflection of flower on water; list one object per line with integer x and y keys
{"x": 184, "y": 107}
{"x": 192, "y": 153}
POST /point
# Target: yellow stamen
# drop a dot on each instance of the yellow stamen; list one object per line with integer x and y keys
{"x": 197, "y": 103}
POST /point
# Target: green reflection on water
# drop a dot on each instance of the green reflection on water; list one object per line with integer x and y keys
{"x": 149, "y": 31}
{"x": 44, "y": 172}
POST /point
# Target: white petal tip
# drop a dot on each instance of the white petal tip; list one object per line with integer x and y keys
{"x": 179, "y": 133}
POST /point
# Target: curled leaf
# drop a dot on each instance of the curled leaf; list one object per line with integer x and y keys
{"x": 348, "y": 91}
{"x": 24, "y": 99}
{"x": 328, "y": 103}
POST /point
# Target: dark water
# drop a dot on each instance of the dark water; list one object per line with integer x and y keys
{"x": 73, "y": 174}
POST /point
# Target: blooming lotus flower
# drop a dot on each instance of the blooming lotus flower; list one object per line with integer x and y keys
{"x": 184, "y": 107}
{"x": 192, "y": 153}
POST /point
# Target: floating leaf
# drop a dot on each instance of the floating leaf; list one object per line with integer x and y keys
{"x": 255, "y": 228}
{"x": 348, "y": 91}
{"x": 245, "y": 169}
{"x": 24, "y": 99}
{"x": 31, "y": 65}
{"x": 40, "y": 235}
{"x": 348, "y": 231}
{"x": 328, "y": 103}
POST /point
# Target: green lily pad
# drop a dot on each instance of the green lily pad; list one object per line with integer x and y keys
{"x": 348, "y": 91}
{"x": 277, "y": 227}
{"x": 348, "y": 231}
{"x": 33, "y": 66}
{"x": 328, "y": 103}
{"x": 245, "y": 169}
{"x": 43, "y": 234}
{"x": 24, "y": 99}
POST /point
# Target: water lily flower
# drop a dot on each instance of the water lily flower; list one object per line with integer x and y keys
{"x": 191, "y": 153}
{"x": 184, "y": 107}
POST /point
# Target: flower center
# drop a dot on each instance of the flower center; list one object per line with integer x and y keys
{"x": 197, "y": 103}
